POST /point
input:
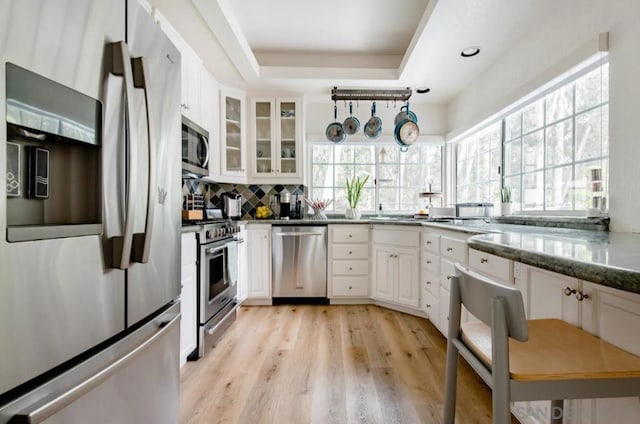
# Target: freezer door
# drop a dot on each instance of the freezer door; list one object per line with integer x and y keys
{"x": 154, "y": 270}
{"x": 57, "y": 297}
{"x": 134, "y": 381}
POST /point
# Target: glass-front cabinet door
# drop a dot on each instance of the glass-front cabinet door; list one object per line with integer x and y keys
{"x": 276, "y": 138}
{"x": 232, "y": 133}
{"x": 263, "y": 136}
{"x": 287, "y": 114}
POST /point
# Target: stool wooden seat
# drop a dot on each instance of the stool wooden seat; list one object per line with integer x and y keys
{"x": 519, "y": 360}
{"x": 555, "y": 350}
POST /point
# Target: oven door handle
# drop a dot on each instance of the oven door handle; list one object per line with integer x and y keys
{"x": 212, "y": 250}
{"x": 239, "y": 241}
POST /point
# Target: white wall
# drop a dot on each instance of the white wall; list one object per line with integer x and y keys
{"x": 543, "y": 54}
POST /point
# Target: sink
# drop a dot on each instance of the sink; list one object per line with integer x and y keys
{"x": 390, "y": 218}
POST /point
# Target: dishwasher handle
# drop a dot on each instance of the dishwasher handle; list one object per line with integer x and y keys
{"x": 304, "y": 234}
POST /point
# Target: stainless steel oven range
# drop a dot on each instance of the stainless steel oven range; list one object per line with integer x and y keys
{"x": 217, "y": 282}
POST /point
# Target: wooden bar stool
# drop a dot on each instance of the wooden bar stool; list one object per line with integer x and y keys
{"x": 523, "y": 360}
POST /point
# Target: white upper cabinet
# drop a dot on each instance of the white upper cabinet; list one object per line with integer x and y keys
{"x": 276, "y": 139}
{"x": 210, "y": 115}
{"x": 232, "y": 136}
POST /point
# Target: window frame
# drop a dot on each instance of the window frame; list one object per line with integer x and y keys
{"x": 374, "y": 181}
{"x": 570, "y": 78}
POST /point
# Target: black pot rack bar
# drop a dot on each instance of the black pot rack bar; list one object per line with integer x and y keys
{"x": 399, "y": 95}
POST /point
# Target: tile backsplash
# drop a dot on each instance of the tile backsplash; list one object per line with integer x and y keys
{"x": 252, "y": 195}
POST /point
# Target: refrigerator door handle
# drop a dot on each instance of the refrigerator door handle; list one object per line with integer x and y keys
{"x": 40, "y": 412}
{"x": 122, "y": 244}
{"x": 142, "y": 241}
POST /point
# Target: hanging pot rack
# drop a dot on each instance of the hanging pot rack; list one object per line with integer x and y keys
{"x": 399, "y": 95}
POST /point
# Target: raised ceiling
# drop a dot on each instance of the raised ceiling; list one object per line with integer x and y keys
{"x": 312, "y": 46}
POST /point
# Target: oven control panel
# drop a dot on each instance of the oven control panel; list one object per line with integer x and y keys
{"x": 220, "y": 230}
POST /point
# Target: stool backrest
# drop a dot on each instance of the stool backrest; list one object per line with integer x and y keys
{"x": 476, "y": 293}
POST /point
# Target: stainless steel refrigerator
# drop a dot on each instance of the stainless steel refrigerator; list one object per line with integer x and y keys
{"x": 89, "y": 214}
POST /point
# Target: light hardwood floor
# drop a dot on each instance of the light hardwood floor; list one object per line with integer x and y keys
{"x": 327, "y": 364}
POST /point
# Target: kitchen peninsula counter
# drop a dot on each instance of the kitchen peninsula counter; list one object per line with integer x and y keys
{"x": 601, "y": 257}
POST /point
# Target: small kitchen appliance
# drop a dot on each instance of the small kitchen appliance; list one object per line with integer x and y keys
{"x": 231, "y": 205}
{"x": 195, "y": 149}
{"x": 285, "y": 204}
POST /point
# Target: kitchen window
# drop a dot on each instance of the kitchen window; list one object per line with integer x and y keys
{"x": 395, "y": 178}
{"x": 549, "y": 147}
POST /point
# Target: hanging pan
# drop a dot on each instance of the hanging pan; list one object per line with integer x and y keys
{"x": 351, "y": 124}
{"x": 335, "y": 131}
{"x": 373, "y": 127}
{"x": 404, "y": 114}
{"x": 406, "y": 131}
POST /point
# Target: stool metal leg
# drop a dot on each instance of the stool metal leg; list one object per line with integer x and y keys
{"x": 450, "y": 382}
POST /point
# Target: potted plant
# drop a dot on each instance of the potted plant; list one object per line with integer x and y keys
{"x": 354, "y": 192}
{"x": 505, "y": 195}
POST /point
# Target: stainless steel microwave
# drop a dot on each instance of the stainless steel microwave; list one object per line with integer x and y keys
{"x": 195, "y": 149}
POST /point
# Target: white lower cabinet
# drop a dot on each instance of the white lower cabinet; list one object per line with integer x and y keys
{"x": 348, "y": 261}
{"x": 188, "y": 296}
{"x": 614, "y": 316}
{"x": 258, "y": 264}
{"x": 605, "y": 312}
{"x": 396, "y": 266}
{"x": 441, "y": 249}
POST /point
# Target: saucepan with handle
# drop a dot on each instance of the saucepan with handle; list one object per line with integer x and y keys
{"x": 351, "y": 125}
{"x": 406, "y": 131}
{"x": 335, "y": 130}
{"x": 373, "y": 127}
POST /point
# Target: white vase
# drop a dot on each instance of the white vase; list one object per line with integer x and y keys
{"x": 505, "y": 209}
{"x": 352, "y": 213}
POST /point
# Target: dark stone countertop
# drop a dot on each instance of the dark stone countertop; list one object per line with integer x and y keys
{"x": 610, "y": 259}
{"x": 601, "y": 257}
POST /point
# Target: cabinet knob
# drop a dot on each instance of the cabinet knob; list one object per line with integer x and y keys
{"x": 484, "y": 260}
{"x": 449, "y": 249}
{"x": 428, "y": 241}
{"x": 350, "y": 235}
{"x": 428, "y": 262}
{"x": 568, "y": 291}
{"x": 427, "y": 305}
{"x": 449, "y": 277}
{"x": 350, "y": 269}
{"x": 350, "y": 287}
{"x": 581, "y": 296}
{"x": 428, "y": 283}
{"x": 350, "y": 252}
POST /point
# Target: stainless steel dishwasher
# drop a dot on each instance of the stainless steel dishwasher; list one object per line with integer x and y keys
{"x": 299, "y": 255}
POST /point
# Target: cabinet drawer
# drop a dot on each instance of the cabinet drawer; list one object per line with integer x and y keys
{"x": 446, "y": 270}
{"x": 431, "y": 282}
{"x": 454, "y": 249}
{"x": 350, "y": 251}
{"x": 350, "y": 267}
{"x": 431, "y": 306}
{"x": 350, "y": 234}
{"x": 491, "y": 265}
{"x": 350, "y": 286}
{"x": 431, "y": 242}
{"x": 431, "y": 262}
{"x": 396, "y": 237}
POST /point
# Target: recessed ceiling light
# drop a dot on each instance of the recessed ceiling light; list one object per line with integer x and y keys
{"x": 423, "y": 90}
{"x": 470, "y": 51}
